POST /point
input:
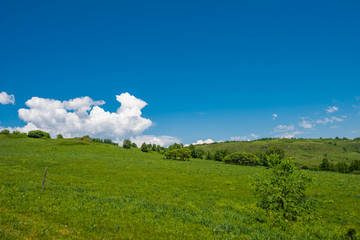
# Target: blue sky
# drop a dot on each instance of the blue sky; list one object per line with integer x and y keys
{"x": 206, "y": 69}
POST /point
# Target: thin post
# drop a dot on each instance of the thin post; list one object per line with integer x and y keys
{"x": 44, "y": 178}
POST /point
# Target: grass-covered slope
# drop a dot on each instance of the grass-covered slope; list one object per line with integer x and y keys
{"x": 303, "y": 151}
{"x": 100, "y": 191}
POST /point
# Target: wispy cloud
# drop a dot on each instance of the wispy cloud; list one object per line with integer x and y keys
{"x": 306, "y": 124}
{"x": 329, "y": 120}
{"x": 274, "y": 116}
{"x": 284, "y": 128}
{"x": 6, "y": 99}
{"x": 332, "y": 109}
{"x": 289, "y": 134}
{"x": 249, "y": 137}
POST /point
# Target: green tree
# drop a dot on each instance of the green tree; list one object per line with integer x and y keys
{"x": 38, "y": 134}
{"x": 126, "y": 144}
{"x": 144, "y": 147}
{"x": 183, "y": 153}
{"x": 283, "y": 193}
{"x": 220, "y": 154}
{"x": 59, "y": 136}
{"x": 133, "y": 145}
{"x": 326, "y": 165}
{"x": 5, "y": 132}
{"x": 275, "y": 150}
{"x": 242, "y": 158}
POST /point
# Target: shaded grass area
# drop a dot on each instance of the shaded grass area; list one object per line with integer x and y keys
{"x": 99, "y": 191}
{"x": 304, "y": 151}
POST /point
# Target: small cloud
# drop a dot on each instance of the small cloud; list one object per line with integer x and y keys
{"x": 289, "y": 134}
{"x": 163, "y": 141}
{"x": 254, "y": 135}
{"x": 334, "y": 127}
{"x": 329, "y": 120}
{"x": 245, "y": 138}
{"x": 332, "y": 109}
{"x": 6, "y": 99}
{"x": 357, "y": 98}
{"x": 238, "y": 138}
{"x": 274, "y": 116}
{"x": 284, "y": 128}
{"x": 306, "y": 124}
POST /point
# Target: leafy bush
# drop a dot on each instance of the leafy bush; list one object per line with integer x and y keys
{"x": 38, "y": 134}
{"x": 182, "y": 153}
{"x": 5, "y": 132}
{"x": 242, "y": 158}
{"x": 220, "y": 154}
{"x": 275, "y": 150}
{"x": 283, "y": 192}
{"x": 326, "y": 165}
{"x": 144, "y": 147}
{"x": 126, "y": 144}
{"x": 59, "y": 136}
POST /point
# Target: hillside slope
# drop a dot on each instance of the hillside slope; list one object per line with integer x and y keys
{"x": 100, "y": 191}
{"x": 303, "y": 151}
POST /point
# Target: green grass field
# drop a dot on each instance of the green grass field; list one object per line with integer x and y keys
{"x": 100, "y": 191}
{"x": 304, "y": 151}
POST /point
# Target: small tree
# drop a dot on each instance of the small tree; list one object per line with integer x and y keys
{"x": 127, "y": 144}
{"x": 283, "y": 192}
{"x": 144, "y": 147}
{"x": 5, "y": 132}
{"x": 59, "y": 136}
{"x": 275, "y": 150}
{"x": 133, "y": 145}
{"x": 38, "y": 134}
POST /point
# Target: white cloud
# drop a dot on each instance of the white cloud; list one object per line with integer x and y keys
{"x": 357, "y": 98}
{"x": 274, "y": 116}
{"x": 200, "y": 142}
{"x": 284, "y": 128}
{"x": 83, "y": 116}
{"x": 238, "y": 138}
{"x": 289, "y": 134}
{"x": 245, "y": 138}
{"x": 6, "y": 99}
{"x": 254, "y": 135}
{"x": 306, "y": 124}
{"x": 332, "y": 109}
{"x": 329, "y": 120}
{"x": 163, "y": 141}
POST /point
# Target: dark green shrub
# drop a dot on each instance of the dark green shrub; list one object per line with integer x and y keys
{"x": 38, "y": 134}
{"x": 133, "y": 145}
{"x": 242, "y": 158}
{"x": 283, "y": 193}
{"x": 342, "y": 167}
{"x": 144, "y": 147}
{"x": 220, "y": 154}
{"x": 126, "y": 144}
{"x": 275, "y": 150}
{"x": 326, "y": 165}
{"x": 59, "y": 136}
{"x": 5, "y": 132}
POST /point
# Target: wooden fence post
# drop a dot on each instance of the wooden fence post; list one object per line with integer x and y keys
{"x": 44, "y": 178}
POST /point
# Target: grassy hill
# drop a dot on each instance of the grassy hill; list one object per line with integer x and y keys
{"x": 100, "y": 191}
{"x": 304, "y": 151}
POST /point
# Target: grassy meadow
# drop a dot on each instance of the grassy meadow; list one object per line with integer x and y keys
{"x": 101, "y": 191}
{"x": 304, "y": 151}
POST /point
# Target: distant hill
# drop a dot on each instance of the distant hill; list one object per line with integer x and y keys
{"x": 304, "y": 151}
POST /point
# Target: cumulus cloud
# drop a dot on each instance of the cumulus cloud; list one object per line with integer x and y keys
{"x": 289, "y": 134}
{"x": 83, "y": 116}
{"x": 158, "y": 140}
{"x": 244, "y": 138}
{"x": 200, "y": 142}
{"x": 274, "y": 116}
{"x": 329, "y": 120}
{"x": 6, "y": 99}
{"x": 332, "y": 109}
{"x": 284, "y": 128}
{"x": 306, "y": 124}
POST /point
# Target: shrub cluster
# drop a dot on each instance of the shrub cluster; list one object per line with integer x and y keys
{"x": 340, "y": 167}
{"x": 38, "y": 134}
